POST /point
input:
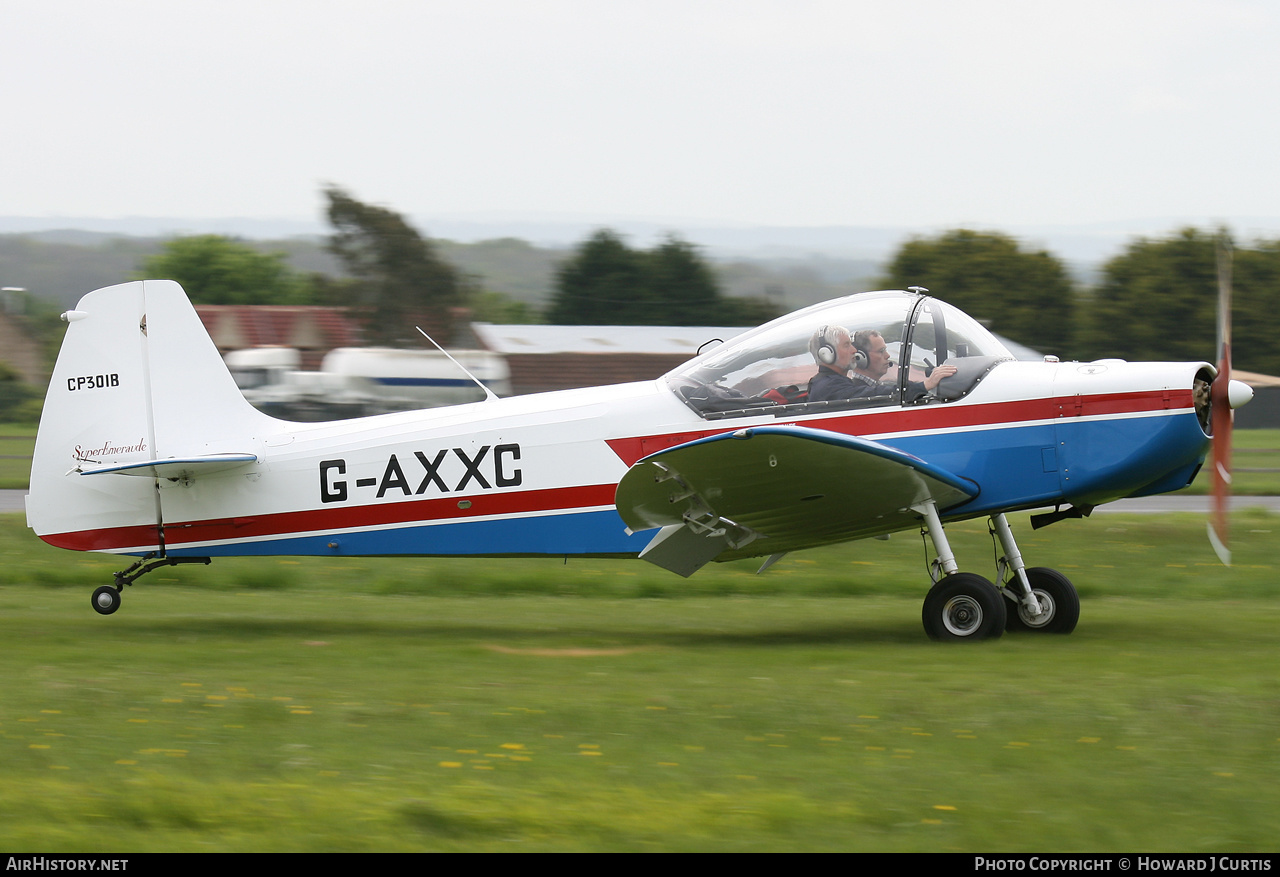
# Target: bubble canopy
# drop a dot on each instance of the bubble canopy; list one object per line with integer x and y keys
{"x": 771, "y": 366}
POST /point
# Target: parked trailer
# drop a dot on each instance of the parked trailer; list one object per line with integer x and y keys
{"x": 362, "y": 381}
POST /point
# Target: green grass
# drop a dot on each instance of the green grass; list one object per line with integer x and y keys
{"x": 298, "y": 704}
{"x": 1251, "y": 449}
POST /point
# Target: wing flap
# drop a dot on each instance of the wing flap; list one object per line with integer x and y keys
{"x": 772, "y": 489}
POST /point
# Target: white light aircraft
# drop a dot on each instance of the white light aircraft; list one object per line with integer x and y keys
{"x": 147, "y": 448}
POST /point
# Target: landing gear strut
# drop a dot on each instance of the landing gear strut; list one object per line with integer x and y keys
{"x": 106, "y": 599}
{"x": 961, "y": 606}
{"x": 1045, "y": 600}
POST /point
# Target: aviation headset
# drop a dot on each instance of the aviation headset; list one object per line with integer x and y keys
{"x": 825, "y": 351}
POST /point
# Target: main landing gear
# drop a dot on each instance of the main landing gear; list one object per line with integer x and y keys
{"x": 965, "y": 606}
{"x": 106, "y": 599}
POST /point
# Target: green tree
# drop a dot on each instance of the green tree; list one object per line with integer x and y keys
{"x": 607, "y": 282}
{"x": 1026, "y": 296}
{"x": 1255, "y": 319}
{"x": 599, "y": 285}
{"x": 219, "y": 270}
{"x": 397, "y": 281}
{"x": 488, "y": 306}
{"x": 19, "y": 402}
{"x": 1158, "y": 300}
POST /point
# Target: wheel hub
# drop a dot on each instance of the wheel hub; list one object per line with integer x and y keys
{"x": 1046, "y": 610}
{"x": 962, "y": 615}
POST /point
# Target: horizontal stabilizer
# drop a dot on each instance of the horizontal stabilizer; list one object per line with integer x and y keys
{"x": 173, "y": 469}
{"x": 773, "y": 489}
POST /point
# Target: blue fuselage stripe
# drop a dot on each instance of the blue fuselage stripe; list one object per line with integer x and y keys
{"x": 595, "y": 532}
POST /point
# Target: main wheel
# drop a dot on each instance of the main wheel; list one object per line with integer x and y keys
{"x": 963, "y": 606}
{"x": 106, "y": 600}
{"x": 1058, "y": 600}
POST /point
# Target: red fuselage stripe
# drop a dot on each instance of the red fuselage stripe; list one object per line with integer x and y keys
{"x": 341, "y": 518}
{"x": 909, "y": 419}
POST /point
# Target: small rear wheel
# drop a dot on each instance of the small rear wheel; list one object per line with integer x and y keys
{"x": 964, "y": 607}
{"x": 106, "y": 600}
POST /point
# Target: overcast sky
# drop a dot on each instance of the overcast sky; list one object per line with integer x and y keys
{"x": 904, "y": 113}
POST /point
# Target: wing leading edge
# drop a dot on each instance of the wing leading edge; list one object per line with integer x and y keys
{"x": 773, "y": 489}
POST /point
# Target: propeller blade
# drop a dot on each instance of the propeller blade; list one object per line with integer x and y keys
{"x": 1221, "y": 423}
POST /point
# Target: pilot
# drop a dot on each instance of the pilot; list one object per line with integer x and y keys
{"x": 872, "y": 362}
{"x": 835, "y": 353}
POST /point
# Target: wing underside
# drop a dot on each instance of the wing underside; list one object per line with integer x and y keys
{"x": 769, "y": 490}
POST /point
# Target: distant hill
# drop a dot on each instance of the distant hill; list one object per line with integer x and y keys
{"x": 52, "y": 267}
{"x": 62, "y": 258}
{"x": 63, "y": 264}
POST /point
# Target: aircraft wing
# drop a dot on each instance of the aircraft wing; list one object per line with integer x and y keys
{"x": 772, "y": 489}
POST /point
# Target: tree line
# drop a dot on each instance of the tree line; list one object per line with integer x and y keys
{"x": 1156, "y": 300}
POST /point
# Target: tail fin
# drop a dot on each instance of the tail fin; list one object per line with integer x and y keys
{"x": 137, "y": 380}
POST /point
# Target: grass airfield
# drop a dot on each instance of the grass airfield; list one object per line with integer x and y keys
{"x": 286, "y": 704}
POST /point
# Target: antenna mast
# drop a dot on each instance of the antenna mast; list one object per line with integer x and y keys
{"x": 488, "y": 394}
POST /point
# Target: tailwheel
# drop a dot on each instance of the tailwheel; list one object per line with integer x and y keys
{"x": 106, "y": 600}
{"x": 964, "y": 606}
{"x": 1059, "y": 604}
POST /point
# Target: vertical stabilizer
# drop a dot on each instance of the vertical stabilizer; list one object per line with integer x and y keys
{"x": 137, "y": 379}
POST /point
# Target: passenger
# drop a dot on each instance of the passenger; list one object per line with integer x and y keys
{"x": 834, "y": 352}
{"x": 872, "y": 362}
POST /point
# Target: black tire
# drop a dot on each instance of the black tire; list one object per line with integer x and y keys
{"x": 964, "y": 607}
{"x": 1056, "y": 593}
{"x": 106, "y": 600}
